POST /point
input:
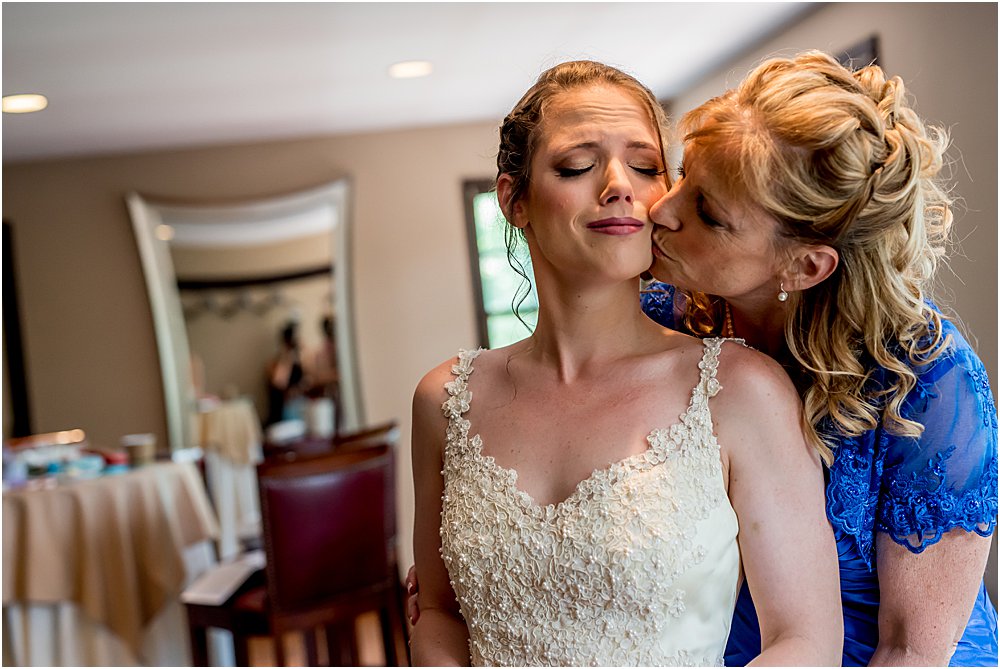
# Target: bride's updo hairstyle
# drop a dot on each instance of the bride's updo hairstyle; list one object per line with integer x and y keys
{"x": 840, "y": 158}
{"x": 519, "y": 132}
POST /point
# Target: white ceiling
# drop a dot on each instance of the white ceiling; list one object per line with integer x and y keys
{"x": 141, "y": 76}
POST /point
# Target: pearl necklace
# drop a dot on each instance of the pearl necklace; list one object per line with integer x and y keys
{"x": 727, "y": 328}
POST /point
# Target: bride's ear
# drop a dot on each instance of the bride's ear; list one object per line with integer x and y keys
{"x": 811, "y": 265}
{"x": 512, "y": 211}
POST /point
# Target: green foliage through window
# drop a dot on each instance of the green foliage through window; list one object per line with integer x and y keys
{"x": 501, "y": 287}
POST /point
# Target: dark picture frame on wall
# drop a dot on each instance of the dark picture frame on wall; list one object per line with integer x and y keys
{"x": 16, "y": 372}
{"x": 862, "y": 54}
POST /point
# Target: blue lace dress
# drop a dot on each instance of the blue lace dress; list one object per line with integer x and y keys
{"x": 915, "y": 490}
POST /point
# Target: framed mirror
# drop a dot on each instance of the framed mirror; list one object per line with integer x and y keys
{"x": 226, "y": 281}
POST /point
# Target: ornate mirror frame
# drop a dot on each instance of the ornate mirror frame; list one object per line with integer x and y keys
{"x": 150, "y": 219}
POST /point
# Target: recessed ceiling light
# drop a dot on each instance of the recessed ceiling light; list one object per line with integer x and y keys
{"x": 408, "y": 69}
{"x": 22, "y": 104}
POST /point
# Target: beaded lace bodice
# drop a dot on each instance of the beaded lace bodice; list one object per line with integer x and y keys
{"x": 638, "y": 566}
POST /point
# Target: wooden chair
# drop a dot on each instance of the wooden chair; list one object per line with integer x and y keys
{"x": 384, "y": 433}
{"x": 329, "y": 538}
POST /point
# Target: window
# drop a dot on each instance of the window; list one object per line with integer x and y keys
{"x": 496, "y": 285}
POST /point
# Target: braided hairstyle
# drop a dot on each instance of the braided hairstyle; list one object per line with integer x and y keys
{"x": 840, "y": 158}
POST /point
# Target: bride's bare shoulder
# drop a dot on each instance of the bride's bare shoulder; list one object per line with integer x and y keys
{"x": 480, "y": 362}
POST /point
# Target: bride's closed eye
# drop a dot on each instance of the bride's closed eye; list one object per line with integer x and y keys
{"x": 651, "y": 171}
{"x": 573, "y": 171}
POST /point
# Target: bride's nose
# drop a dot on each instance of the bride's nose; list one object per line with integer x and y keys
{"x": 617, "y": 186}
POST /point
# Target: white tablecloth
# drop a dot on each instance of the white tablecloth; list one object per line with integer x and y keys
{"x": 230, "y": 436}
{"x": 92, "y": 570}
{"x": 62, "y": 635}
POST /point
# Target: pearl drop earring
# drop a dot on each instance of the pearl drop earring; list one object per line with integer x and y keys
{"x": 782, "y": 293}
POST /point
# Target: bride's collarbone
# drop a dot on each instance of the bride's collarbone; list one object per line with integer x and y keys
{"x": 658, "y": 391}
{"x": 544, "y": 431}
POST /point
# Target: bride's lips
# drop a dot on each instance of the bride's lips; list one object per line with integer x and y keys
{"x": 617, "y": 226}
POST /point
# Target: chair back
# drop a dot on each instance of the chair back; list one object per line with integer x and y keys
{"x": 329, "y": 525}
{"x": 309, "y": 447}
{"x": 384, "y": 433}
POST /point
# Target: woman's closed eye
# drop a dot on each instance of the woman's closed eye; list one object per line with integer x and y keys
{"x": 573, "y": 171}
{"x": 704, "y": 216}
{"x": 649, "y": 171}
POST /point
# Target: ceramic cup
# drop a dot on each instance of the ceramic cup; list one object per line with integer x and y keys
{"x": 140, "y": 448}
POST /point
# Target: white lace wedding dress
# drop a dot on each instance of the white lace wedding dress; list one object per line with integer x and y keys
{"x": 638, "y": 566}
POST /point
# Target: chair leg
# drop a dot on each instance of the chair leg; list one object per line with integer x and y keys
{"x": 388, "y": 643}
{"x": 312, "y": 653}
{"x": 341, "y": 644}
{"x": 279, "y": 648}
{"x": 394, "y": 625}
{"x": 241, "y": 649}
{"x": 404, "y": 623}
{"x": 199, "y": 646}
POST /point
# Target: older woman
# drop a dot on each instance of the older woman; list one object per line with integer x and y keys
{"x": 808, "y": 221}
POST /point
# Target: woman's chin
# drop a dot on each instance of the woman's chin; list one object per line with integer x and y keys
{"x": 659, "y": 271}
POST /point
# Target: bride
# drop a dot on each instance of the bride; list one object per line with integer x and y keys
{"x": 594, "y": 493}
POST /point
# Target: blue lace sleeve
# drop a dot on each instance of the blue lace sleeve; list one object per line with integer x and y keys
{"x": 658, "y": 303}
{"x": 947, "y": 477}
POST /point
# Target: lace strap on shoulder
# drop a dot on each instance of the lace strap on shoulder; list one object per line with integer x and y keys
{"x": 459, "y": 395}
{"x": 709, "y": 365}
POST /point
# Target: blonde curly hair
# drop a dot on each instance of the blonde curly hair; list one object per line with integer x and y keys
{"x": 840, "y": 158}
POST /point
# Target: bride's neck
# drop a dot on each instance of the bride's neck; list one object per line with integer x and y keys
{"x": 579, "y": 327}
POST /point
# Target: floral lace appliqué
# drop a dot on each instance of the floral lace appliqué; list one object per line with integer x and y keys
{"x": 637, "y": 567}
{"x": 915, "y": 500}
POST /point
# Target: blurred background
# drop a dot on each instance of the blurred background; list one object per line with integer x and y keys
{"x": 232, "y": 102}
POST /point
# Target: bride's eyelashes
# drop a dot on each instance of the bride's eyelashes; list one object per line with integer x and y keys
{"x": 650, "y": 171}
{"x": 569, "y": 172}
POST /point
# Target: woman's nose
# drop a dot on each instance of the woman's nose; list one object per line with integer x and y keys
{"x": 618, "y": 186}
{"x": 662, "y": 214}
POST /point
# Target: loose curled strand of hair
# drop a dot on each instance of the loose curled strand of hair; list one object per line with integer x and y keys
{"x": 840, "y": 158}
{"x": 513, "y": 239}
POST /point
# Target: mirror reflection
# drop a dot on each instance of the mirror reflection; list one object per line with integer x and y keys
{"x": 251, "y": 304}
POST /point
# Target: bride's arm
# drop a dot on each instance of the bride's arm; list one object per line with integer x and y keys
{"x": 776, "y": 487}
{"x": 440, "y": 637}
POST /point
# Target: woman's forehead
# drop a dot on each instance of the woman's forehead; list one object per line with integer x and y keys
{"x": 596, "y": 110}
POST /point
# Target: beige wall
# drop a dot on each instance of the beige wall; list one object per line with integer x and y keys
{"x": 89, "y": 338}
{"x": 91, "y": 355}
{"x": 270, "y": 259}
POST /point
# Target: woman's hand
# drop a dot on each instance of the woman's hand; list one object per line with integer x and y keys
{"x": 412, "y": 595}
